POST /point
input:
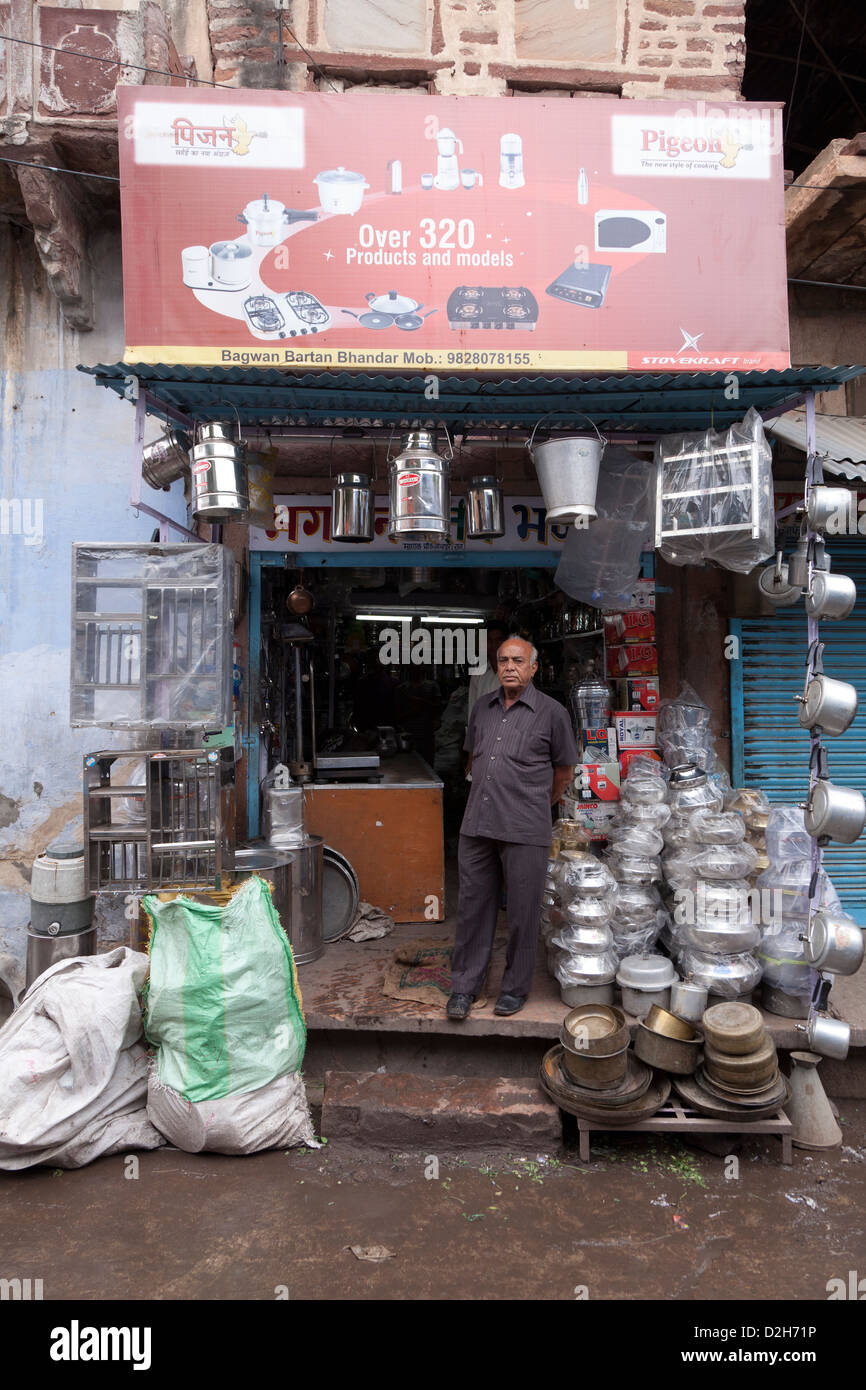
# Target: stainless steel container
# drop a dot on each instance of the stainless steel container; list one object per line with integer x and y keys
{"x": 839, "y": 813}
{"x": 831, "y": 597}
{"x": 166, "y": 459}
{"x": 219, "y": 475}
{"x": 688, "y": 1001}
{"x": 826, "y": 505}
{"x": 419, "y": 490}
{"x": 484, "y": 511}
{"x": 308, "y": 939}
{"x": 275, "y": 866}
{"x": 353, "y": 508}
{"x": 45, "y": 951}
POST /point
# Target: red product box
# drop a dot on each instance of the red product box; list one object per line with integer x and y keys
{"x": 596, "y": 782}
{"x": 641, "y": 693}
{"x": 632, "y": 660}
{"x": 632, "y": 753}
{"x": 636, "y": 625}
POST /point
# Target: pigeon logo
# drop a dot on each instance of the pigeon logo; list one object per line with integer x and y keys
{"x": 658, "y": 142}
{"x": 408, "y": 479}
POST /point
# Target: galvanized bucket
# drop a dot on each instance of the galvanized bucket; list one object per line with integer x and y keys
{"x": 353, "y": 508}
{"x": 166, "y": 459}
{"x": 484, "y": 510}
{"x": 419, "y": 490}
{"x": 568, "y": 473}
{"x": 219, "y": 475}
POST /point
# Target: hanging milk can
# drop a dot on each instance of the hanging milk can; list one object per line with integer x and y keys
{"x": 568, "y": 473}
{"x": 484, "y": 511}
{"x": 419, "y": 488}
{"x": 352, "y": 507}
{"x": 219, "y": 474}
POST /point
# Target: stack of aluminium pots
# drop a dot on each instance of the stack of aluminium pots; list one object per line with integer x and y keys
{"x": 576, "y": 927}
{"x": 707, "y": 866}
{"x": 635, "y": 843}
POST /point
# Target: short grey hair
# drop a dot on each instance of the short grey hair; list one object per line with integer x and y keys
{"x": 514, "y": 637}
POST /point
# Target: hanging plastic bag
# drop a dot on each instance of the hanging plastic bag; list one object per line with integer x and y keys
{"x": 601, "y": 563}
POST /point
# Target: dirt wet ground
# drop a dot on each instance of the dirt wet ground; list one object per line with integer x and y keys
{"x": 649, "y": 1218}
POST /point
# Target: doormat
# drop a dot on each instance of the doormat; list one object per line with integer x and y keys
{"x": 421, "y": 973}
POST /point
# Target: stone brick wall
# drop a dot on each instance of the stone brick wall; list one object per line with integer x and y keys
{"x": 671, "y": 49}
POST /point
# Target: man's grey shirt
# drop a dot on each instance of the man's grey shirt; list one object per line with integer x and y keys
{"x": 514, "y": 752}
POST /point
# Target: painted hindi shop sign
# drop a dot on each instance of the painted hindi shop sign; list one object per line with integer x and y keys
{"x": 304, "y": 523}
{"x": 405, "y": 232}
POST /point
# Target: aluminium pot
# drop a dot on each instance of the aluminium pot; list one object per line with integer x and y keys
{"x": 828, "y": 504}
{"x": 568, "y": 474}
{"x": 341, "y": 190}
{"x": 832, "y": 596}
{"x": 831, "y": 1037}
{"x": 826, "y": 704}
{"x": 419, "y": 490}
{"x": 573, "y": 995}
{"x": 353, "y": 508}
{"x": 719, "y": 938}
{"x": 484, "y": 511}
{"x": 166, "y": 459}
{"x": 219, "y": 474}
{"x": 834, "y": 944}
{"x": 833, "y": 813}
{"x": 677, "y": 1055}
{"x": 775, "y": 586}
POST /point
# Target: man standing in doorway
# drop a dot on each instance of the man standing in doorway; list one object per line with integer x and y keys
{"x": 522, "y": 754}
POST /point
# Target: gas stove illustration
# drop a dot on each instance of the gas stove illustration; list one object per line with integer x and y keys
{"x": 290, "y": 315}
{"x": 492, "y": 307}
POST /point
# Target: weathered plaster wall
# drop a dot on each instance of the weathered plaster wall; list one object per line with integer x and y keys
{"x": 65, "y": 469}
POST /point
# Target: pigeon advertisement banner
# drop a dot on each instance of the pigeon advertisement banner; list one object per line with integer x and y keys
{"x": 382, "y": 231}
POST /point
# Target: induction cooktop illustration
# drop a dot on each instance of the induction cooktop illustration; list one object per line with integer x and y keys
{"x": 583, "y": 284}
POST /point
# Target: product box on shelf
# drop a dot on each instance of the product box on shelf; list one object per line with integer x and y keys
{"x": 634, "y": 625}
{"x": 596, "y": 782}
{"x": 643, "y": 595}
{"x": 595, "y": 816}
{"x": 597, "y": 745}
{"x": 634, "y": 729}
{"x": 625, "y": 758}
{"x": 632, "y": 659}
{"x": 639, "y": 692}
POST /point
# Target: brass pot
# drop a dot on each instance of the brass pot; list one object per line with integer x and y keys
{"x": 668, "y": 1025}
{"x": 597, "y": 1071}
{"x": 678, "y": 1055}
{"x": 594, "y": 1030}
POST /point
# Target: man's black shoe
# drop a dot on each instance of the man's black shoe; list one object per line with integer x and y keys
{"x": 509, "y": 1004}
{"x": 459, "y": 1006}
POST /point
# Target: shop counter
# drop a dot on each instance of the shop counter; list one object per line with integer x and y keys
{"x": 391, "y": 832}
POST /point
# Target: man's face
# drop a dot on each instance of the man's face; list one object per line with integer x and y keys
{"x": 514, "y": 666}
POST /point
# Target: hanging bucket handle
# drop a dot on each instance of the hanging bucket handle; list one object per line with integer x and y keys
{"x": 447, "y": 436}
{"x": 602, "y": 440}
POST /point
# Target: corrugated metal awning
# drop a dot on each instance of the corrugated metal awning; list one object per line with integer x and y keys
{"x": 841, "y": 440}
{"x": 643, "y": 403}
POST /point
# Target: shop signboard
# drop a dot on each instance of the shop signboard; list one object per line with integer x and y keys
{"x": 304, "y": 524}
{"x": 406, "y": 232}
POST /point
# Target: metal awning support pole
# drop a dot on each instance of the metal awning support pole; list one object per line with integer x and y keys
{"x": 812, "y": 634}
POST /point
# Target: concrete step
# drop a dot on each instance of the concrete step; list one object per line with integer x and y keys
{"x": 405, "y": 1108}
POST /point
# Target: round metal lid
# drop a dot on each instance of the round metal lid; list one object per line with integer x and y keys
{"x": 338, "y": 175}
{"x": 340, "y": 895}
{"x": 352, "y": 480}
{"x": 646, "y": 972}
{"x": 64, "y": 848}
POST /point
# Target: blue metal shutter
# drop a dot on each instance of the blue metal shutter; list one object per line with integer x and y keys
{"x": 770, "y": 749}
